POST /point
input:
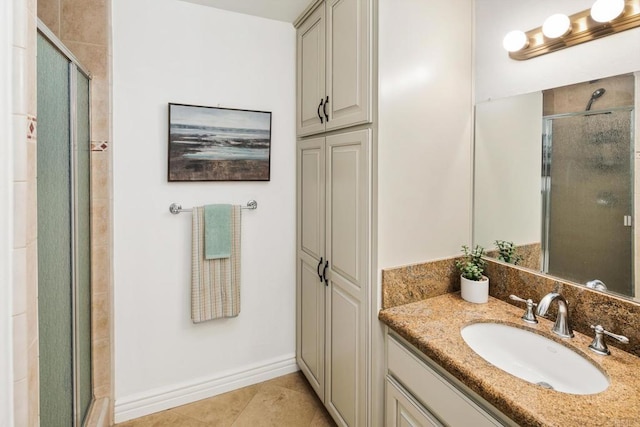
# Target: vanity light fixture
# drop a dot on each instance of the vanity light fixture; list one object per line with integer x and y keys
{"x": 606, "y": 10}
{"x": 557, "y": 25}
{"x": 560, "y": 31}
{"x": 515, "y": 40}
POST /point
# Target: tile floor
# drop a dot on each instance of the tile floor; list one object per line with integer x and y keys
{"x": 287, "y": 401}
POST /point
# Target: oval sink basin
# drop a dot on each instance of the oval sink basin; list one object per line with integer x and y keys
{"x": 534, "y": 358}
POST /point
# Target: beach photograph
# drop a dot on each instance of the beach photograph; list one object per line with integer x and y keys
{"x": 218, "y": 144}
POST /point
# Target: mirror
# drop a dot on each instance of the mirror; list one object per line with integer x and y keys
{"x": 553, "y": 174}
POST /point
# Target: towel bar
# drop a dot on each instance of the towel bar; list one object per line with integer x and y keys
{"x": 176, "y": 208}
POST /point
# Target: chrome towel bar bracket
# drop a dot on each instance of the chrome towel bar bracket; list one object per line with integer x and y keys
{"x": 176, "y": 208}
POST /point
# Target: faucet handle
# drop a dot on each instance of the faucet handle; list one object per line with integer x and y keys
{"x": 596, "y": 284}
{"x": 598, "y": 344}
{"x": 528, "y": 315}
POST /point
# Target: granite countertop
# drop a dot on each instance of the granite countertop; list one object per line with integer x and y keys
{"x": 433, "y": 326}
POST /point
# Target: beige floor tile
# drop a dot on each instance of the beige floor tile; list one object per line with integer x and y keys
{"x": 221, "y": 410}
{"x": 287, "y": 401}
{"x": 322, "y": 419}
{"x": 278, "y": 407}
{"x": 163, "y": 419}
{"x": 295, "y": 381}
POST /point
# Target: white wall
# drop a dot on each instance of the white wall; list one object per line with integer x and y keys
{"x": 507, "y": 171}
{"x": 172, "y": 51}
{"x": 498, "y": 76}
{"x": 424, "y": 153}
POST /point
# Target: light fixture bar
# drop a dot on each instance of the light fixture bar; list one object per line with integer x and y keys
{"x": 583, "y": 29}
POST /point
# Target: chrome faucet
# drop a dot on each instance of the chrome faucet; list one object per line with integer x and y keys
{"x": 562, "y": 326}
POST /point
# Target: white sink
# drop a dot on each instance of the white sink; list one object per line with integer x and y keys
{"x": 534, "y": 358}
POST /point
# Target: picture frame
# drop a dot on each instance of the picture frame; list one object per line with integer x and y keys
{"x": 218, "y": 144}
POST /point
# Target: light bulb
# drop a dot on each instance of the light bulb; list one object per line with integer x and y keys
{"x": 556, "y": 26}
{"x": 606, "y": 10}
{"x": 514, "y": 41}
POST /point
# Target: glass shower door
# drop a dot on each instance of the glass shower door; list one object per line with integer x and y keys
{"x": 64, "y": 256}
{"x": 589, "y": 194}
{"x": 54, "y": 237}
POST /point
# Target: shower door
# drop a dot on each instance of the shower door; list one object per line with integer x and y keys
{"x": 588, "y": 198}
{"x": 64, "y": 257}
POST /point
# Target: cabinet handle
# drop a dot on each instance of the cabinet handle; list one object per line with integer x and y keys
{"x": 320, "y": 105}
{"x": 318, "y": 269}
{"x": 324, "y": 109}
{"x": 324, "y": 273}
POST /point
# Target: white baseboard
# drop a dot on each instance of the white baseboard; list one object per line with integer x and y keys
{"x": 159, "y": 399}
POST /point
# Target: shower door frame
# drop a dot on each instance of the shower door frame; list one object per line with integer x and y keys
{"x": 547, "y": 145}
{"x": 74, "y": 67}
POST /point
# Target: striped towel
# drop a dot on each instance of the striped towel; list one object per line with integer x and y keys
{"x": 215, "y": 283}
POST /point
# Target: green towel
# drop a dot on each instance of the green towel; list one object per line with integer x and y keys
{"x": 217, "y": 231}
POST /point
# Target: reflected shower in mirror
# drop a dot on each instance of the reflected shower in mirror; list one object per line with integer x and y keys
{"x": 554, "y": 174}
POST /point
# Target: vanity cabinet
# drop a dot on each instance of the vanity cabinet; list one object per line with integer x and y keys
{"x": 419, "y": 393}
{"x": 334, "y": 46}
{"x": 403, "y": 410}
{"x": 333, "y": 223}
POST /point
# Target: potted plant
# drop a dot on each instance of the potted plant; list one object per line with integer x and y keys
{"x": 474, "y": 285}
{"x": 507, "y": 252}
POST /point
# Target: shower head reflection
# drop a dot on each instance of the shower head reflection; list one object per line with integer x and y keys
{"x": 595, "y": 95}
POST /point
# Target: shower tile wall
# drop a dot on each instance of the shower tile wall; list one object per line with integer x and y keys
{"x": 574, "y": 98}
{"x": 84, "y": 27}
{"x": 24, "y": 304}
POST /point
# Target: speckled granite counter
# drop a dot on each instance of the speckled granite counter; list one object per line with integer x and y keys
{"x": 433, "y": 326}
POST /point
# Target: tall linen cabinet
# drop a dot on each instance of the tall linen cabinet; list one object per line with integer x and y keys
{"x": 386, "y": 181}
{"x": 334, "y": 196}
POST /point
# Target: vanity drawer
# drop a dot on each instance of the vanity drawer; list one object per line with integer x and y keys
{"x": 439, "y": 396}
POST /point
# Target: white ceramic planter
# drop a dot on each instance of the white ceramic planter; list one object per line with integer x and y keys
{"x": 475, "y": 291}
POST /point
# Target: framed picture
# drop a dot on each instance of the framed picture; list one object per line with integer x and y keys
{"x": 218, "y": 144}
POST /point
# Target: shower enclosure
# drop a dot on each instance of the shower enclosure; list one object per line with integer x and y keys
{"x": 588, "y": 197}
{"x": 64, "y": 256}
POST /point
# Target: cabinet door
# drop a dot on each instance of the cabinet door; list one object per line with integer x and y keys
{"x": 347, "y": 209}
{"x": 310, "y": 311}
{"x": 310, "y": 71}
{"x": 348, "y": 62}
{"x": 403, "y": 411}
